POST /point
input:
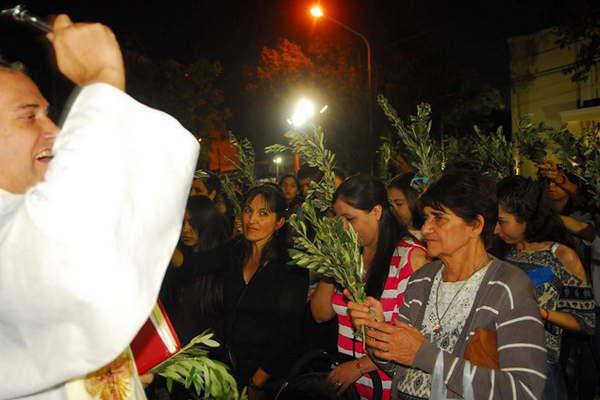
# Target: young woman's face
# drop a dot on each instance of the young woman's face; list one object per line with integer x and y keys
{"x": 556, "y": 193}
{"x": 365, "y": 223}
{"x": 259, "y": 223}
{"x": 290, "y": 188}
{"x": 189, "y": 235}
{"x": 508, "y": 227}
{"x": 400, "y": 204}
{"x": 445, "y": 232}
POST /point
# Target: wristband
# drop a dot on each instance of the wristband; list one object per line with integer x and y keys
{"x": 358, "y": 366}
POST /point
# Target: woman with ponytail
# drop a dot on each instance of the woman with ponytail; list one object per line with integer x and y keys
{"x": 390, "y": 256}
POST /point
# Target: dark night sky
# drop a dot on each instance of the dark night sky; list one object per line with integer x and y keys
{"x": 234, "y": 31}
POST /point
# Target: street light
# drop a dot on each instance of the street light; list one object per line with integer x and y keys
{"x": 317, "y": 12}
{"x": 277, "y": 160}
{"x": 304, "y": 111}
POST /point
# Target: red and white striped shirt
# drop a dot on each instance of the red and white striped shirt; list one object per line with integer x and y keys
{"x": 391, "y": 300}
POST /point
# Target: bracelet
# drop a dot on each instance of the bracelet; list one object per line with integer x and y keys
{"x": 358, "y": 366}
{"x": 253, "y": 385}
{"x": 546, "y": 315}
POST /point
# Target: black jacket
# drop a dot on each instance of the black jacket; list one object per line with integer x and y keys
{"x": 263, "y": 319}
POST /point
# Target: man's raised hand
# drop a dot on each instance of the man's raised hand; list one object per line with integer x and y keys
{"x": 87, "y": 53}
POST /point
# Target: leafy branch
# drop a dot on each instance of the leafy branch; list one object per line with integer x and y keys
{"x": 334, "y": 250}
{"x": 581, "y": 156}
{"x": 493, "y": 153}
{"x": 311, "y": 146}
{"x": 425, "y": 154}
{"x": 384, "y": 156}
{"x": 532, "y": 140}
{"x": 246, "y": 160}
{"x": 191, "y": 366}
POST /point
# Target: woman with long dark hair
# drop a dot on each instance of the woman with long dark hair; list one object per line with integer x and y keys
{"x": 390, "y": 257}
{"x": 540, "y": 245}
{"x": 263, "y": 296}
{"x": 405, "y": 200}
{"x": 195, "y": 304}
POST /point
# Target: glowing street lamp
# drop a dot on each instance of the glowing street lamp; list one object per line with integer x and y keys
{"x": 277, "y": 160}
{"x": 303, "y": 112}
{"x": 316, "y": 11}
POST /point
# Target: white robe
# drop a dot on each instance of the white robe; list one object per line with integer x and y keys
{"x": 83, "y": 254}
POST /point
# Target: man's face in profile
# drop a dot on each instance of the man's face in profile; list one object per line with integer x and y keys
{"x": 26, "y": 133}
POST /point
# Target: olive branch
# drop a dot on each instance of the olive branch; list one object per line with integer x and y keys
{"x": 191, "y": 366}
{"x": 425, "y": 155}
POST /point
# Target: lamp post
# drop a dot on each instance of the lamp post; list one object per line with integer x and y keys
{"x": 277, "y": 160}
{"x": 317, "y": 12}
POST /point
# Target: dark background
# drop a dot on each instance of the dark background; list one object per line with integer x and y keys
{"x": 430, "y": 50}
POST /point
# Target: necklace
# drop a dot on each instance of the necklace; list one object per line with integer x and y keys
{"x": 438, "y": 326}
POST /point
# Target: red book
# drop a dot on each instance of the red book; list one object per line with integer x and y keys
{"x": 156, "y": 341}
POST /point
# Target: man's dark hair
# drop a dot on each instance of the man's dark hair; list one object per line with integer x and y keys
{"x": 12, "y": 66}
{"x": 467, "y": 195}
{"x": 340, "y": 173}
{"x": 309, "y": 172}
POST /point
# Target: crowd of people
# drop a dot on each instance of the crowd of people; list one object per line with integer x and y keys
{"x": 476, "y": 289}
{"x": 472, "y": 286}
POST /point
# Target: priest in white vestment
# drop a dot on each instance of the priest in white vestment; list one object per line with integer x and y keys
{"x": 89, "y": 216}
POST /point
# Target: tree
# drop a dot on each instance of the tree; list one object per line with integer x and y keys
{"x": 582, "y": 31}
{"x": 330, "y": 72}
{"x": 188, "y": 91}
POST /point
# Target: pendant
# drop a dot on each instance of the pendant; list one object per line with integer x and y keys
{"x": 437, "y": 328}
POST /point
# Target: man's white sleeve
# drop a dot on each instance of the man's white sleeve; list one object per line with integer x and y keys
{"x": 81, "y": 261}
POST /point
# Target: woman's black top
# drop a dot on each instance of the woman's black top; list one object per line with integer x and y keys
{"x": 187, "y": 301}
{"x": 262, "y": 319}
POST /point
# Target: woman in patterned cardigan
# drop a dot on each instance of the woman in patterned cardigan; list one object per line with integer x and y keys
{"x": 454, "y": 302}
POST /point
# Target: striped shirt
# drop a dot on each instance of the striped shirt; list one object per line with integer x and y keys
{"x": 391, "y": 299}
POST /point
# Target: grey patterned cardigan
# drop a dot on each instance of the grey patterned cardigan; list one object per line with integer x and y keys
{"x": 504, "y": 303}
